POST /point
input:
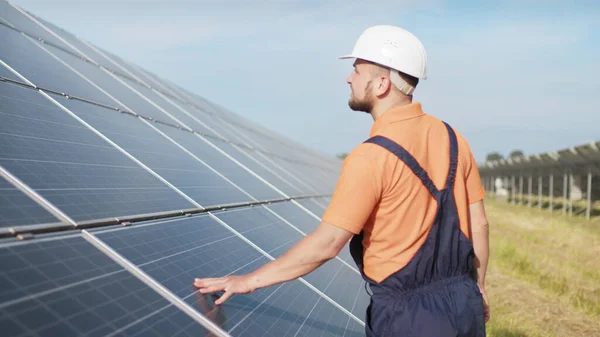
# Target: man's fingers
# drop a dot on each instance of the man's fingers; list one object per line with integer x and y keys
{"x": 213, "y": 288}
{"x": 229, "y": 285}
{"x": 224, "y": 298}
{"x": 206, "y": 282}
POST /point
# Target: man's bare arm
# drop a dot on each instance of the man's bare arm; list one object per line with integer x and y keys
{"x": 481, "y": 244}
{"x": 480, "y": 233}
{"x": 307, "y": 255}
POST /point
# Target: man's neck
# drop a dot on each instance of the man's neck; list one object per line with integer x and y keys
{"x": 382, "y": 107}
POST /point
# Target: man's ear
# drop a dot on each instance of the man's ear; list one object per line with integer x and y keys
{"x": 384, "y": 85}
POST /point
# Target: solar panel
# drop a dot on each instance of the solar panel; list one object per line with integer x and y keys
{"x": 80, "y": 47}
{"x": 153, "y": 81}
{"x": 305, "y": 222}
{"x": 335, "y": 278}
{"x": 176, "y": 252}
{"x": 8, "y": 74}
{"x": 164, "y": 157}
{"x": 17, "y": 209}
{"x": 310, "y": 177}
{"x": 296, "y": 215}
{"x": 42, "y": 69}
{"x": 313, "y": 206}
{"x": 266, "y": 171}
{"x": 129, "y": 100}
{"x": 67, "y": 287}
{"x": 181, "y": 115}
{"x": 243, "y": 178}
{"x": 13, "y": 17}
{"x": 72, "y": 167}
{"x": 178, "y": 188}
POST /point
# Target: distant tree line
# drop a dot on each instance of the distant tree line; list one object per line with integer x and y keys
{"x": 498, "y": 156}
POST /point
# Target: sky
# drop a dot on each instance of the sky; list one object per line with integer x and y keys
{"x": 507, "y": 75}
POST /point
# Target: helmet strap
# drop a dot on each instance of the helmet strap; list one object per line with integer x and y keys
{"x": 401, "y": 84}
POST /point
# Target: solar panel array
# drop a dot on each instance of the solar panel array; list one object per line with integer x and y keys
{"x": 118, "y": 188}
{"x": 568, "y": 177}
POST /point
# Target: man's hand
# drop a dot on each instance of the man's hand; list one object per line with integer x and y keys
{"x": 230, "y": 285}
{"x": 486, "y": 305}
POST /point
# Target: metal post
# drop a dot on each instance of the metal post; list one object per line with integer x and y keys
{"x": 506, "y": 184}
{"x": 529, "y": 190}
{"x": 565, "y": 187}
{"x": 570, "y": 193}
{"x": 540, "y": 182}
{"x": 521, "y": 190}
{"x": 513, "y": 190}
{"x": 551, "y": 192}
{"x": 588, "y": 210}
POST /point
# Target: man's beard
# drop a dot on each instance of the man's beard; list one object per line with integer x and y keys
{"x": 366, "y": 104}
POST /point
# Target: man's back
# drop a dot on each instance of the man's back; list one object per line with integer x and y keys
{"x": 395, "y": 208}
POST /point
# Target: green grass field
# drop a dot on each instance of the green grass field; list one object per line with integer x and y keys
{"x": 544, "y": 273}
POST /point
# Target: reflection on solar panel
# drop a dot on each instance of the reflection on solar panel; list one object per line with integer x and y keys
{"x": 118, "y": 188}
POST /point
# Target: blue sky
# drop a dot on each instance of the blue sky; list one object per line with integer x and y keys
{"x": 507, "y": 75}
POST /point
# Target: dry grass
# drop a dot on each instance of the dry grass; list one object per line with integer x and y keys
{"x": 544, "y": 274}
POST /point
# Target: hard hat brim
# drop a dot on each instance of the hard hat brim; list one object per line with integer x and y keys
{"x": 351, "y": 56}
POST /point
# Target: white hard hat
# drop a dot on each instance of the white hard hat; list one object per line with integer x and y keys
{"x": 395, "y": 48}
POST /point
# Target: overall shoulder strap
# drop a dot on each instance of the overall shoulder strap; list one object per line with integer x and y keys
{"x": 453, "y": 157}
{"x": 407, "y": 158}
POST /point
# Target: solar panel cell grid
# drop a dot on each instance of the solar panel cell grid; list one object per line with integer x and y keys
{"x": 42, "y": 69}
{"x": 261, "y": 227}
{"x": 75, "y": 42}
{"x": 263, "y": 169}
{"x": 17, "y": 209}
{"x": 218, "y": 161}
{"x": 336, "y": 279}
{"x": 160, "y": 154}
{"x": 175, "y": 112}
{"x": 296, "y": 216}
{"x": 312, "y": 206}
{"x": 201, "y": 248}
{"x": 24, "y": 24}
{"x": 295, "y": 310}
{"x": 8, "y": 74}
{"x": 72, "y": 167}
{"x": 66, "y": 287}
{"x": 128, "y": 99}
{"x": 307, "y": 175}
{"x": 153, "y": 81}
{"x": 204, "y": 248}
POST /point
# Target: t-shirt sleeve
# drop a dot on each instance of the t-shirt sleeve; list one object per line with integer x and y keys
{"x": 474, "y": 187}
{"x": 357, "y": 192}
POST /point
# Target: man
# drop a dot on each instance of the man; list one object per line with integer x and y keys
{"x": 411, "y": 201}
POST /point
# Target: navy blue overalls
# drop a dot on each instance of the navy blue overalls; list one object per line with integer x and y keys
{"x": 435, "y": 294}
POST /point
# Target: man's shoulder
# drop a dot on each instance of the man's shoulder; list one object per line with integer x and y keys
{"x": 462, "y": 141}
{"x": 366, "y": 151}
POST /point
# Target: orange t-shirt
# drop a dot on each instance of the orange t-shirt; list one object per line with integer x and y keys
{"x": 380, "y": 194}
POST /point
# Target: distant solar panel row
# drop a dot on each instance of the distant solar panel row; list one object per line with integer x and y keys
{"x": 89, "y": 143}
